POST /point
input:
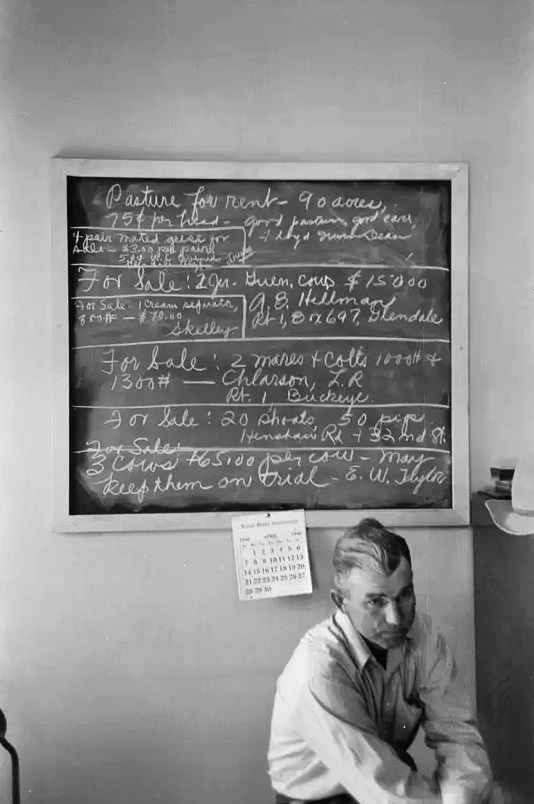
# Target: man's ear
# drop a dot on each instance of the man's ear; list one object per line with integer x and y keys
{"x": 337, "y": 598}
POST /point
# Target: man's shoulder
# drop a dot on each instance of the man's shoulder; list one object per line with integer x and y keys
{"x": 426, "y": 637}
{"x": 423, "y": 627}
{"x": 321, "y": 642}
{"x": 319, "y": 652}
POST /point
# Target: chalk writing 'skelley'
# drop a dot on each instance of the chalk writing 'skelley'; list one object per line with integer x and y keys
{"x": 195, "y": 330}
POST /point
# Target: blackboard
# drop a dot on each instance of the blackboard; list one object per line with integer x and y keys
{"x": 242, "y": 337}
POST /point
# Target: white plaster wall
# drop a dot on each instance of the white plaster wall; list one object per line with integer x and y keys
{"x": 129, "y": 672}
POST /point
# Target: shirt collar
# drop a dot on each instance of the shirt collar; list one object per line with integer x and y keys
{"x": 355, "y": 644}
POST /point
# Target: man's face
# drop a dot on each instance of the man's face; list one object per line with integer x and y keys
{"x": 381, "y": 607}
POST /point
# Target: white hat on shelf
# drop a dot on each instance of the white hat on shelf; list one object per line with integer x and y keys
{"x": 516, "y": 516}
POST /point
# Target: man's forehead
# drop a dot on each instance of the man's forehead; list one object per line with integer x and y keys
{"x": 372, "y": 580}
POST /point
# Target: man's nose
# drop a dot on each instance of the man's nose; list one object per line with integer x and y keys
{"x": 393, "y": 614}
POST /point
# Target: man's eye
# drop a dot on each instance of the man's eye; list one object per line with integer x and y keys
{"x": 377, "y": 602}
{"x": 407, "y": 593}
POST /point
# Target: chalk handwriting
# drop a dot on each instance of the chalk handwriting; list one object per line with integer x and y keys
{"x": 273, "y": 343}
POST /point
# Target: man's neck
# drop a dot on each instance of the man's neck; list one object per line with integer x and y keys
{"x": 380, "y": 653}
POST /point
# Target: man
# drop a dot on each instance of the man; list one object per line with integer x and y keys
{"x": 351, "y": 699}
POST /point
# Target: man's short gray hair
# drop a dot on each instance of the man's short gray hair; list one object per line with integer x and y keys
{"x": 369, "y": 542}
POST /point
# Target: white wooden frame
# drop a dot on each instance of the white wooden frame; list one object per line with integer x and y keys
{"x": 456, "y": 173}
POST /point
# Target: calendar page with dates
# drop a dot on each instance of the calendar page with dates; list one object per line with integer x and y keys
{"x": 271, "y": 555}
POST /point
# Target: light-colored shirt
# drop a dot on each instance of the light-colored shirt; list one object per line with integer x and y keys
{"x": 339, "y": 718}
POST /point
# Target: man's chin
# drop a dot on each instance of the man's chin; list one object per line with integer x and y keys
{"x": 393, "y": 640}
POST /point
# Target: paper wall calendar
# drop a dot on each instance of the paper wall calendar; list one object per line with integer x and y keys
{"x": 271, "y": 555}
